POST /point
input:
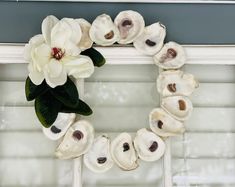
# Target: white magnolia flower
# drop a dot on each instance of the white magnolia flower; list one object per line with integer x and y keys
{"x": 54, "y": 54}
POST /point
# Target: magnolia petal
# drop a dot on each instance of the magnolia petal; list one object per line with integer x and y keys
{"x": 48, "y": 23}
{"x": 55, "y": 68}
{"x": 35, "y": 76}
{"x": 71, "y": 49}
{"x": 54, "y": 81}
{"x": 60, "y": 34}
{"x": 33, "y": 42}
{"x": 81, "y": 67}
{"x": 36, "y": 40}
{"x": 76, "y": 29}
{"x": 27, "y": 52}
{"x": 41, "y": 55}
{"x": 85, "y": 42}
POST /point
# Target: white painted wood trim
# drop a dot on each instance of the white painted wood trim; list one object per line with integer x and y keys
{"x": 146, "y": 1}
{"x": 196, "y": 54}
{"x": 167, "y": 164}
{"x": 77, "y": 162}
{"x": 77, "y": 172}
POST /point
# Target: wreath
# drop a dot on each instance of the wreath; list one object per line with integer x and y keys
{"x": 63, "y": 54}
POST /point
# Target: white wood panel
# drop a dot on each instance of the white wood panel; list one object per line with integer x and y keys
{"x": 13, "y": 72}
{"x": 206, "y": 171}
{"x": 19, "y": 118}
{"x": 119, "y": 119}
{"x": 220, "y": 145}
{"x": 205, "y": 145}
{"x": 121, "y": 94}
{"x": 34, "y": 172}
{"x": 212, "y": 73}
{"x": 26, "y": 144}
{"x": 148, "y": 173}
{"x": 13, "y": 94}
{"x": 177, "y": 146}
{"x": 128, "y": 73}
{"x": 214, "y": 95}
{"x": 211, "y": 120}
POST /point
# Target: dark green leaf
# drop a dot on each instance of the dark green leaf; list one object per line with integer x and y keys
{"x": 32, "y": 91}
{"x": 96, "y": 56}
{"x": 47, "y": 108}
{"x": 67, "y": 93}
{"x": 81, "y": 108}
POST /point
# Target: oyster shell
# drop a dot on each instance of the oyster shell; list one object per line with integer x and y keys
{"x": 179, "y": 107}
{"x": 171, "y": 56}
{"x": 60, "y": 126}
{"x": 130, "y": 24}
{"x": 103, "y": 31}
{"x": 123, "y": 152}
{"x": 176, "y": 82}
{"x": 162, "y": 124}
{"x": 98, "y": 158}
{"x": 77, "y": 140}
{"x": 151, "y": 40}
{"x": 148, "y": 145}
{"x": 85, "y": 42}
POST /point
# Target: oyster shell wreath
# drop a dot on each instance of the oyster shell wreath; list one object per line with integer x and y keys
{"x": 64, "y": 53}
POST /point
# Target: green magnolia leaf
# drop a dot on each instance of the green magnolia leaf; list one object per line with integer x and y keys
{"x": 32, "y": 91}
{"x": 47, "y": 108}
{"x": 81, "y": 108}
{"x": 67, "y": 93}
{"x": 96, "y": 57}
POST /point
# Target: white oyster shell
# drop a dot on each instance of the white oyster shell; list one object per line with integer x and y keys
{"x": 162, "y": 124}
{"x": 176, "y": 82}
{"x": 171, "y": 56}
{"x": 179, "y": 107}
{"x": 148, "y": 145}
{"x": 98, "y": 158}
{"x": 85, "y": 42}
{"x": 123, "y": 152}
{"x": 77, "y": 140}
{"x": 151, "y": 40}
{"x": 103, "y": 31}
{"x": 60, "y": 126}
{"x": 130, "y": 24}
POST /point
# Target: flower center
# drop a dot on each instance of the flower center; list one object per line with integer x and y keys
{"x": 57, "y": 53}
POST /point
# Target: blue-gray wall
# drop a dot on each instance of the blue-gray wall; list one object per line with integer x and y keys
{"x": 186, "y": 23}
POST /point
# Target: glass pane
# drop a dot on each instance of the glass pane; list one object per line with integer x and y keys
{"x": 205, "y": 155}
{"x": 26, "y": 155}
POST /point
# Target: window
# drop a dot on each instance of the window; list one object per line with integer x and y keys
{"x": 122, "y": 93}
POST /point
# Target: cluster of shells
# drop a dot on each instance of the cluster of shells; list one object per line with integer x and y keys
{"x": 100, "y": 153}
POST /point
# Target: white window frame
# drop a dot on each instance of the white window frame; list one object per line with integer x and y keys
{"x": 196, "y": 54}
